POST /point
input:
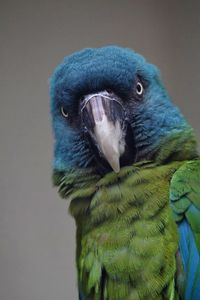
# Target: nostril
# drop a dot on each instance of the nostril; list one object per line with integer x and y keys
{"x": 109, "y": 91}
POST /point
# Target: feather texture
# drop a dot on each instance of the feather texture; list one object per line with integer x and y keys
{"x": 125, "y": 233}
{"x": 185, "y": 202}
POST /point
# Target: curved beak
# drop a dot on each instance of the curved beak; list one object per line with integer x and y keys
{"x": 103, "y": 115}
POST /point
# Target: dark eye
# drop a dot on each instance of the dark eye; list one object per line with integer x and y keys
{"x": 64, "y": 113}
{"x": 139, "y": 88}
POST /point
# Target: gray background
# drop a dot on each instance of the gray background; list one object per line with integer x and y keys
{"x": 37, "y": 235}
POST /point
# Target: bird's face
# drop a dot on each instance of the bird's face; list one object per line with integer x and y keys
{"x": 109, "y": 110}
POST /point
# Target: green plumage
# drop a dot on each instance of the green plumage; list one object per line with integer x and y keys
{"x": 185, "y": 191}
{"x": 125, "y": 232}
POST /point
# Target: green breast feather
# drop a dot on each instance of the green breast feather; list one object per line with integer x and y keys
{"x": 126, "y": 237}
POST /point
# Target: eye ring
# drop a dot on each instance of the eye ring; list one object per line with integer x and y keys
{"x": 139, "y": 88}
{"x": 65, "y": 114}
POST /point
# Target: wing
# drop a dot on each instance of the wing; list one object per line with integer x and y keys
{"x": 185, "y": 203}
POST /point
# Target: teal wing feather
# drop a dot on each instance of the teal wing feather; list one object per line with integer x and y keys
{"x": 185, "y": 203}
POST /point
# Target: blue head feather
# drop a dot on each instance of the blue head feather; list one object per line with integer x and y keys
{"x": 115, "y": 68}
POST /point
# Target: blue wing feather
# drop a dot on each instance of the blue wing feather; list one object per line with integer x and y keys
{"x": 191, "y": 261}
{"x": 185, "y": 203}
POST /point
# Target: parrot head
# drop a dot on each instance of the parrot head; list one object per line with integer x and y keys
{"x": 110, "y": 109}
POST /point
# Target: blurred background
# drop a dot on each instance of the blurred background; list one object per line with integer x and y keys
{"x": 37, "y": 236}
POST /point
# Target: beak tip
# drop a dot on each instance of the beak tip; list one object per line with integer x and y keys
{"x": 116, "y": 167}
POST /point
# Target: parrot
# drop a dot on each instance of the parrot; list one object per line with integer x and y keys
{"x": 127, "y": 161}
